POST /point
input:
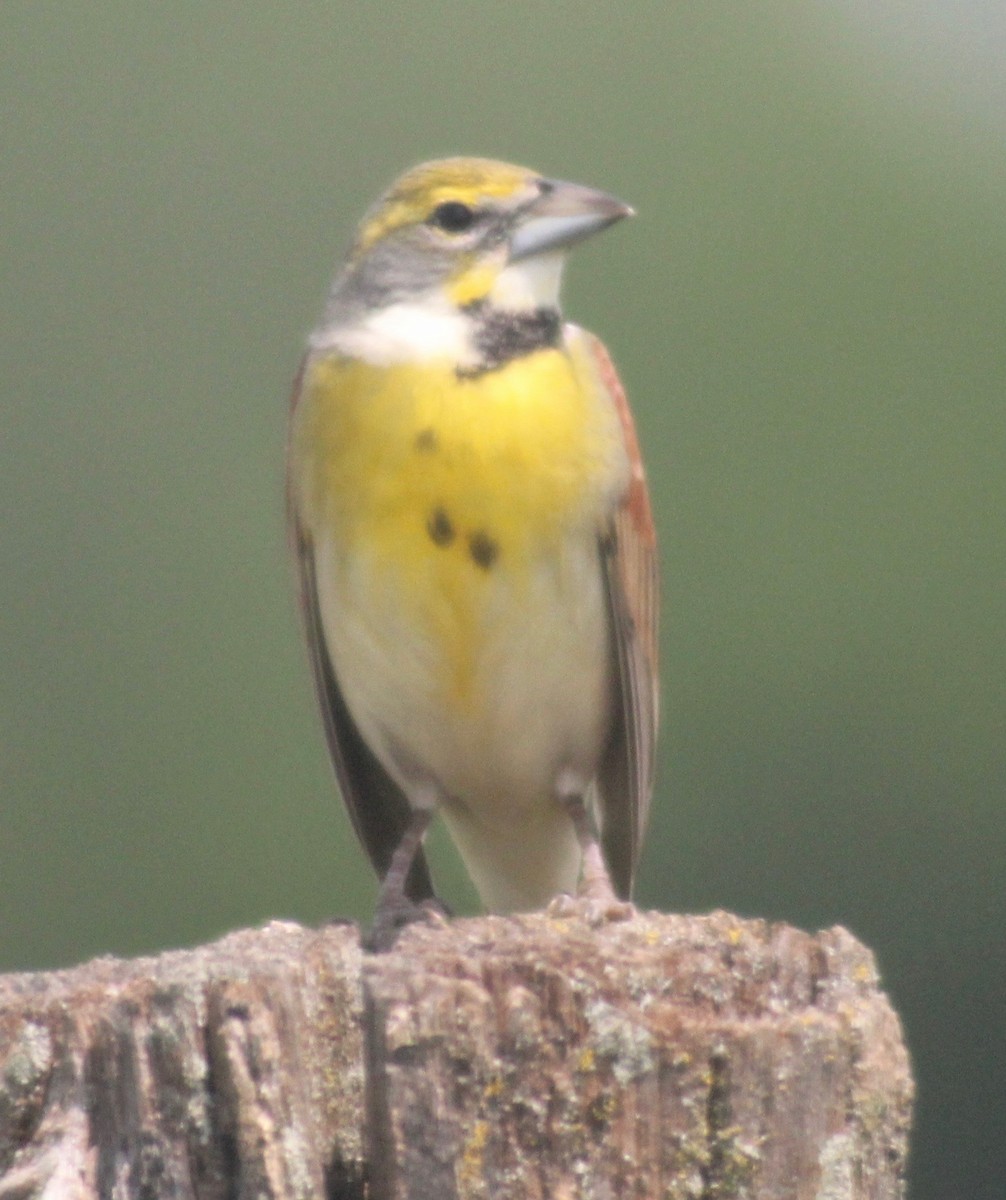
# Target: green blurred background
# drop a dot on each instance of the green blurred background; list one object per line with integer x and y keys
{"x": 809, "y": 315}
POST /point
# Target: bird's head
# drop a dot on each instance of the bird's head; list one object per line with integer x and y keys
{"x": 460, "y": 233}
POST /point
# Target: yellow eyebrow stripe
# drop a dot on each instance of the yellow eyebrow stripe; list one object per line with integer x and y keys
{"x": 415, "y": 195}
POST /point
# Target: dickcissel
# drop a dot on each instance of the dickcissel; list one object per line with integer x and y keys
{"x": 475, "y": 546}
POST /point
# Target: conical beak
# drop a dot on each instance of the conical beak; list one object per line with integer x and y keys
{"x": 564, "y": 213}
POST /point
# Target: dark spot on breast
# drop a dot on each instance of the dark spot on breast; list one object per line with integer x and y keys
{"x": 483, "y": 549}
{"x": 440, "y": 527}
{"x": 427, "y": 441}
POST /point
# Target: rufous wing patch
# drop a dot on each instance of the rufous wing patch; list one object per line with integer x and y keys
{"x": 629, "y": 556}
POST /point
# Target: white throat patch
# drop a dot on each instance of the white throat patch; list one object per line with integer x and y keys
{"x": 410, "y": 331}
{"x": 529, "y": 283}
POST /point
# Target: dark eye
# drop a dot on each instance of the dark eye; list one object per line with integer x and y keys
{"x": 452, "y": 217}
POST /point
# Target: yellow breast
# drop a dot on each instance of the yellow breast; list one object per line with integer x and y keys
{"x": 443, "y": 484}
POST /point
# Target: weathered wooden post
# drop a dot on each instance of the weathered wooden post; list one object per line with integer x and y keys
{"x": 531, "y": 1057}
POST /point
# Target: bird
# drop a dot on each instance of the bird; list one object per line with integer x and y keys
{"x": 475, "y": 548}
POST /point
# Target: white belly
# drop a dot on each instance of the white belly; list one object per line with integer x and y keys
{"x": 537, "y": 706}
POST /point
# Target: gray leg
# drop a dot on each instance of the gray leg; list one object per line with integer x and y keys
{"x": 595, "y": 882}
{"x": 596, "y": 899}
{"x": 394, "y": 908}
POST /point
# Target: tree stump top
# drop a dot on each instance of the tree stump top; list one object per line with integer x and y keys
{"x": 531, "y": 1056}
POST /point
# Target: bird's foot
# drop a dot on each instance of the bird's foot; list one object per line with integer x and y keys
{"x": 392, "y": 917}
{"x": 595, "y": 907}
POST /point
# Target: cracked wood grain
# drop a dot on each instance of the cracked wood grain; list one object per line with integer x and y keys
{"x": 536, "y": 1057}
